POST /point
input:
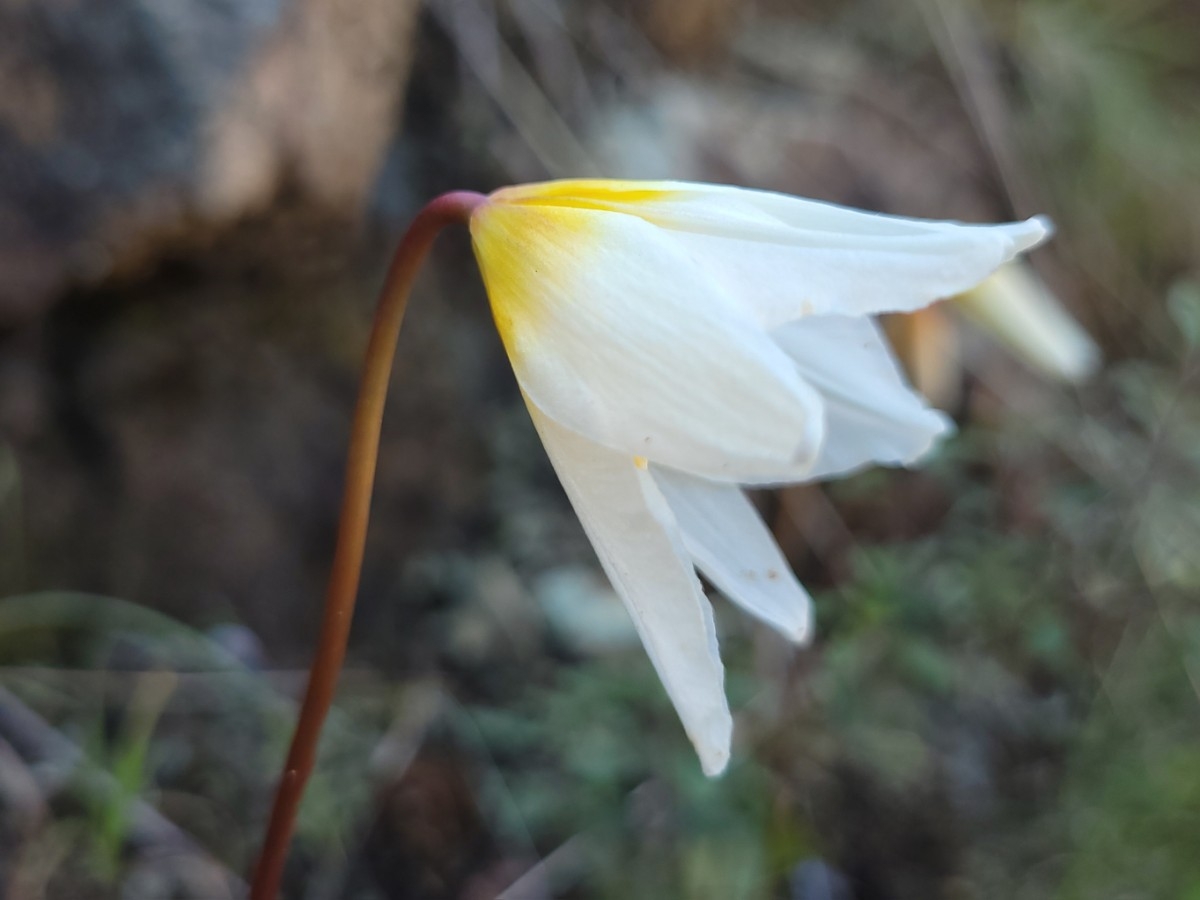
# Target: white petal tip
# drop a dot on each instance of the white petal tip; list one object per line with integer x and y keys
{"x": 1028, "y": 234}
{"x": 808, "y": 450}
{"x": 796, "y": 627}
{"x": 801, "y": 635}
{"x": 936, "y": 427}
{"x": 714, "y": 762}
{"x": 713, "y": 746}
{"x": 1069, "y": 353}
{"x": 1085, "y": 364}
{"x": 941, "y": 426}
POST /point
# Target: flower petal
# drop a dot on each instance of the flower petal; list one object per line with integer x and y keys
{"x": 872, "y": 415}
{"x": 785, "y": 257}
{"x": 1017, "y": 307}
{"x": 613, "y": 333}
{"x": 732, "y": 546}
{"x": 640, "y": 547}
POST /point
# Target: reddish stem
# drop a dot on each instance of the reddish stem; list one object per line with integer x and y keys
{"x": 447, "y": 209}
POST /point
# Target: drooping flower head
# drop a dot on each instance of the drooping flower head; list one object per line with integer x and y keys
{"x": 675, "y": 341}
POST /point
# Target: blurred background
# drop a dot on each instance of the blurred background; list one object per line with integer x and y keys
{"x": 197, "y": 203}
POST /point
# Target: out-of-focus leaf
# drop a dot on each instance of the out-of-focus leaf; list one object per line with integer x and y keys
{"x": 1183, "y": 303}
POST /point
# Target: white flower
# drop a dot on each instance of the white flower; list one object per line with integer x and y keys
{"x": 674, "y": 341}
{"x": 1017, "y": 307}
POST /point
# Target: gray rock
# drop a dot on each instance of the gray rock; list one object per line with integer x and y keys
{"x": 133, "y": 122}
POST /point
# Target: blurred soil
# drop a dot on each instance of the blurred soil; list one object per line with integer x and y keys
{"x": 181, "y": 436}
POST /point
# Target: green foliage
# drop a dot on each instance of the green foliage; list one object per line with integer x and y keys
{"x": 11, "y": 532}
{"x": 599, "y": 757}
{"x": 60, "y": 646}
{"x": 127, "y": 759}
{"x": 1133, "y": 795}
{"x": 1112, "y": 85}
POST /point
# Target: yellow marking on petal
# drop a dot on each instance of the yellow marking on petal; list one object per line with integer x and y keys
{"x": 641, "y": 462}
{"x": 587, "y": 193}
{"x": 596, "y": 190}
{"x": 534, "y": 241}
{"x": 523, "y": 257}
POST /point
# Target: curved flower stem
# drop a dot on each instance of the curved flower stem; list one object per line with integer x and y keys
{"x": 340, "y": 595}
